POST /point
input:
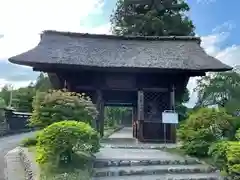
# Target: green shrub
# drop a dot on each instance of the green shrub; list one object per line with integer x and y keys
{"x": 55, "y": 106}
{"x": 31, "y": 141}
{"x": 203, "y": 127}
{"x": 218, "y": 153}
{"x": 238, "y": 135}
{"x": 58, "y": 142}
{"x": 233, "y": 158}
{"x": 198, "y": 142}
{"x": 236, "y": 125}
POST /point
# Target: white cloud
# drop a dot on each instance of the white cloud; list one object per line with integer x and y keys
{"x": 212, "y": 45}
{"x": 21, "y": 22}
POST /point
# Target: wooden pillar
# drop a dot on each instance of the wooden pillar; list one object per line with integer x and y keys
{"x": 100, "y": 108}
{"x": 172, "y": 106}
{"x": 134, "y": 121}
{"x": 140, "y": 114}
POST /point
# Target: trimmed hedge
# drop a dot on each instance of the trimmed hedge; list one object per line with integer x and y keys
{"x": 59, "y": 142}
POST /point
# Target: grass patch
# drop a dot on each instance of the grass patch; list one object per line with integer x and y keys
{"x": 73, "y": 171}
{"x": 181, "y": 152}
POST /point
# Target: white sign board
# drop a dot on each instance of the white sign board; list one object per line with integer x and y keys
{"x": 169, "y": 118}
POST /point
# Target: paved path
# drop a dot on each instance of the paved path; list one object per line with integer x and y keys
{"x": 7, "y": 144}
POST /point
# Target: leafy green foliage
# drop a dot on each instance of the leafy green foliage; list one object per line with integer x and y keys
{"x": 58, "y": 142}
{"x": 218, "y": 151}
{"x": 21, "y": 99}
{"x": 2, "y": 103}
{"x": 238, "y": 134}
{"x": 77, "y": 175}
{"x": 31, "y": 141}
{"x": 151, "y": 18}
{"x": 114, "y": 115}
{"x": 5, "y": 93}
{"x": 181, "y": 109}
{"x": 233, "y": 158}
{"x": 221, "y": 89}
{"x": 226, "y": 156}
{"x": 202, "y": 128}
{"x": 55, "y": 106}
{"x": 43, "y": 83}
{"x": 2, "y": 106}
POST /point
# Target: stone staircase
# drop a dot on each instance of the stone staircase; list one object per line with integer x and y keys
{"x": 153, "y": 169}
{"x": 121, "y": 159}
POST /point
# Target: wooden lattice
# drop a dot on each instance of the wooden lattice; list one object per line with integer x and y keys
{"x": 154, "y": 104}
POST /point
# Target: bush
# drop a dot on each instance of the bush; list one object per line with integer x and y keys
{"x": 55, "y": 106}
{"x": 238, "y": 135}
{"x": 197, "y": 142}
{"x": 202, "y": 128}
{"x": 233, "y": 159}
{"x": 32, "y": 141}
{"x": 58, "y": 142}
{"x": 218, "y": 153}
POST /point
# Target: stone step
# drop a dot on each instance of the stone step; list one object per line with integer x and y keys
{"x": 141, "y": 146}
{"x": 153, "y": 169}
{"x": 99, "y": 163}
{"x": 195, "y": 176}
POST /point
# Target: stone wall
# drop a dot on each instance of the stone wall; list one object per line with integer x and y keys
{"x": 3, "y": 122}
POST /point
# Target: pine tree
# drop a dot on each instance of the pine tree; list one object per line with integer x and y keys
{"x": 152, "y": 18}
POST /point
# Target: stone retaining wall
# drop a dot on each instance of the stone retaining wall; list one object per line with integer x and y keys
{"x": 20, "y": 165}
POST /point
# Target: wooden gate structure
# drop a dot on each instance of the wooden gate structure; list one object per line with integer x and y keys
{"x": 141, "y": 72}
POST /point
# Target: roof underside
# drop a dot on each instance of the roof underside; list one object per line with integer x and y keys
{"x": 106, "y": 51}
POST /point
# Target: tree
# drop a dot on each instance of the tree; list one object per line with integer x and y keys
{"x": 151, "y": 18}
{"x": 2, "y": 103}
{"x": 5, "y": 93}
{"x": 43, "y": 83}
{"x": 181, "y": 109}
{"x": 23, "y": 98}
{"x": 222, "y": 89}
{"x": 114, "y": 115}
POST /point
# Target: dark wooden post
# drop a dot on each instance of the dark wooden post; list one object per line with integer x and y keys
{"x": 172, "y": 106}
{"x": 134, "y": 121}
{"x": 140, "y": 114}
{"x": 100, "y": 108}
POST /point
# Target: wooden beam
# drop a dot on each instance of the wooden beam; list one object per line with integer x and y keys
{"x": 156, "y": 89}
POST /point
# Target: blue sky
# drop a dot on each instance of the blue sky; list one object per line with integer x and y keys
{"x": 20, "y": 29}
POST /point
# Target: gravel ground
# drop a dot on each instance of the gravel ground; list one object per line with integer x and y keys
{"x": 8, "y": 143}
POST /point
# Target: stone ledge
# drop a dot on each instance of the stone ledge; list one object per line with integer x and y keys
{"x": 30, "y": 167}
{"x": 14, "y": 169}
{"x": 20, "y": 165}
